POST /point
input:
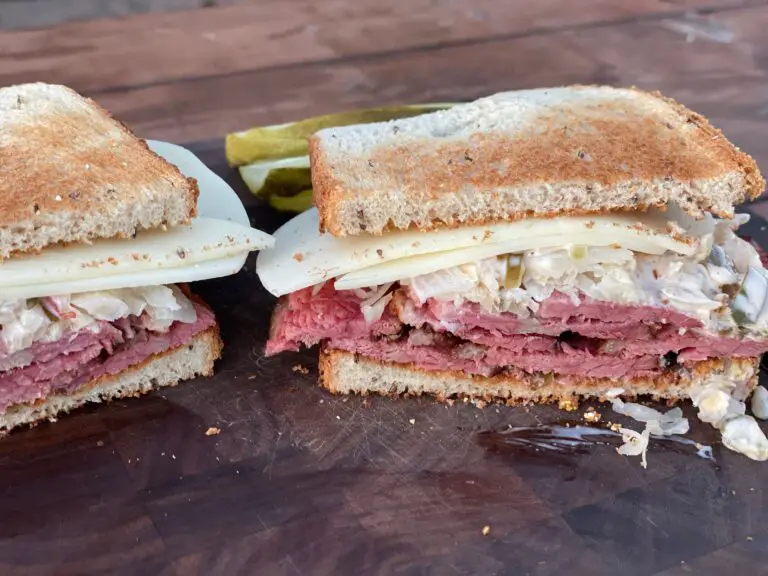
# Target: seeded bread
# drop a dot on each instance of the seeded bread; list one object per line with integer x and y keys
{"x": 343, "y": 372}
{"x": 547, "y": 152}
{"x": 195, "y": 358}
{"x": 70, "y": 173}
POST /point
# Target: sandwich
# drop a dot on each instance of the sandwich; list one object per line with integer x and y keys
{"x": 531, "y": 246}
{"x": 99, "y": 235}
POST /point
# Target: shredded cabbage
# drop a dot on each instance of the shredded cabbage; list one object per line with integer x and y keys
{"x": 759, "y": 403}
{"x": 743, "y": 434}
{"x": 101, "y": 305}
{"x": 635, "y": 444}
{"x": 373, "y": 312}
{"x": 24, "y": 322}
{"x": 657, "y": 423}
{"x": 698, "y": 286}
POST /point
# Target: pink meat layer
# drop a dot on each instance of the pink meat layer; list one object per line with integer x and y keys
{"x": 79, "y": 357}
{"x": 598, "y": 339}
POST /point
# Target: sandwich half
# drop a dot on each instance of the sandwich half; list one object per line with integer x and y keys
{"x": 532, "y": 246}
{"x": 93, "y": 224}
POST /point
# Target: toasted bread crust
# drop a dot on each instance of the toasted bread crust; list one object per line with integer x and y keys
{"x": 72, "y": 173}
{"x": 514, "y": 387}
{"x": 595, "y": 150}
{"x": 731, "y": 156}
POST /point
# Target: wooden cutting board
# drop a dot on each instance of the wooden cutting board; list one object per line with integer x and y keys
{"x": 297, "y": 481}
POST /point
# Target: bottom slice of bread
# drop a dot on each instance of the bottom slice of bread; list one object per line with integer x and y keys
{"x": 195, "y": 358}
{"x": 347, "y": 373}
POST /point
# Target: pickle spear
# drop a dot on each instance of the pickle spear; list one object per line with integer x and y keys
{"x": 290, "y": 140}
{"x": 273, "y": 160}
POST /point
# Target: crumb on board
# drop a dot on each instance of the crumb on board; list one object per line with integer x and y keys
{"x": 298, "y": 256}
{"x": 592, "y": 416}
{"x": 212, "y": 431}
{"x": 412, "y": 421}
{"x": 252, "y": 377}
{"x": 100, "y": 443}
{"x": 614, "y": 426}
{"x": 486, "y": 530}
{"x": 568, "y": 404}
{"x": 300, "y": 369}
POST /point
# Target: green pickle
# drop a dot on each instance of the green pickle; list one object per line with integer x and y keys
{"x": 515, "y": 272}
{"x": 297, "y": 203}
{"x": 273, "y": 160}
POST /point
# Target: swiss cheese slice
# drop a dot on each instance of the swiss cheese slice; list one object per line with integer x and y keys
{"x": 152, "y": 257}
{"x": 304, "y": 257}
{"x": 216, "y": 244}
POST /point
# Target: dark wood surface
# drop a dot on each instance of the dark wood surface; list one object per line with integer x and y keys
{"x": 300, "y": 482}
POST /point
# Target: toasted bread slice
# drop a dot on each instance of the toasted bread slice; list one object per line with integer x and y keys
{"x": 532, "y": 153}
{"x": 343, "y": 372}
{"x": 194, "y": 358}
{"x": 71, "y": 173}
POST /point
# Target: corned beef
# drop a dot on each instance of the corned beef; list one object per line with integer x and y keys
{"x": 589, "y": 338}
{"x": 91, "y": 353}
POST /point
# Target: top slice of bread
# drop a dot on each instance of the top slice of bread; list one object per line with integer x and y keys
{"x": 547, "y": 152}
{"x": 70, "y": 173}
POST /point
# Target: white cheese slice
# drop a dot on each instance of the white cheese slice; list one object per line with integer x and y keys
{"x": 409, "y": 267}
{"x": 303, "y": 256}
{"x": 215, "y": 244}
{"x": 205, "y": 240}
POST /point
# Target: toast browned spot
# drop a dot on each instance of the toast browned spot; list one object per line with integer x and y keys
{"x": 535, "y": 153}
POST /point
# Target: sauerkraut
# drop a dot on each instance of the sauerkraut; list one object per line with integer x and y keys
{"x": 24, "y": 322}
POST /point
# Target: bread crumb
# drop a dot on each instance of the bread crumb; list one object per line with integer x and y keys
{"x": 592, "y": 416}
{"x": 615, "y": 427}
{"x": 252, "y": 377}
{"x": 412, "y": 421}
{"x": 58, "y": 198}
{"x": 300, "y": 369}
{"x": 486, "y": 530}
{"x": 100, "y": 443}
{"x": 298, "y": 256}
{"x": 212, "y": 431}
{"x": 749, "y": 538}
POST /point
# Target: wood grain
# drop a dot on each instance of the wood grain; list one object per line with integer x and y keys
{"x": 40, "y": 13}
{"x": 726, "y": 81}
{"x": 155, "y": 48}
{"x": 301, "y": 482}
